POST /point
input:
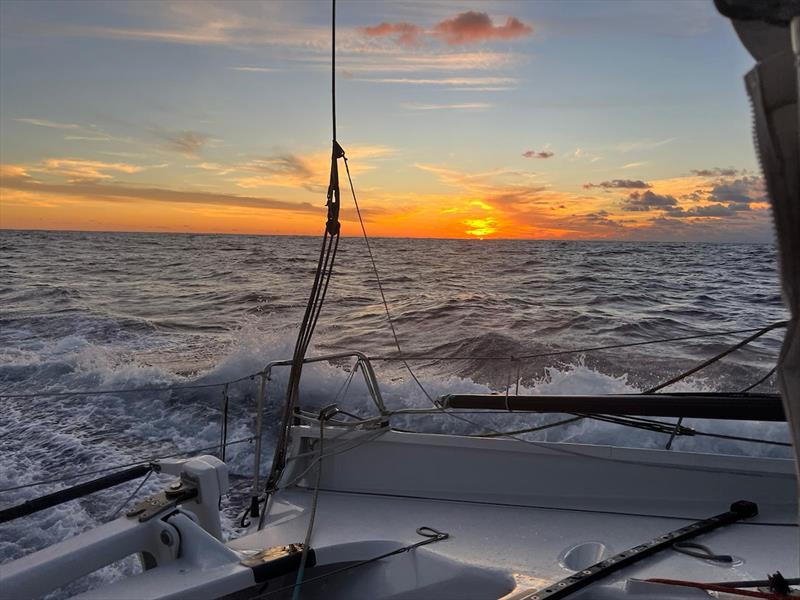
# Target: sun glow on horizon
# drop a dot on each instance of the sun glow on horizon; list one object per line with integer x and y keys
{"x": 481, "y": 228}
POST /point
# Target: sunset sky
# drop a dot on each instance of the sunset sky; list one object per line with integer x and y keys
{"x": 578, "y": 120}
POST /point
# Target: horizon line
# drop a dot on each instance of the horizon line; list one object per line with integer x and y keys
{"x": 391, "y": 237}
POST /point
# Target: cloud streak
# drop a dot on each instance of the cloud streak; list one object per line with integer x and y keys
{"x": 48, "y": 124}
{"x": 106, "y": 192}
{"x": 715, "y": 172}
{"x": 461, "y": 106}
{"x": 188, "y": 143}
{"x": 445, "y": 81}
{"x": 256, "y": 69}
{"x": 85, "y": 170}
{"x": 538, "y": 154}
{"x": 615, "y": 184}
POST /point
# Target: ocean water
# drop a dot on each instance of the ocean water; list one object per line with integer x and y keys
{"x": 110, "y": 311}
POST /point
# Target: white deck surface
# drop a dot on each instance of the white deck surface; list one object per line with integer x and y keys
{"x": 380, "y": 493}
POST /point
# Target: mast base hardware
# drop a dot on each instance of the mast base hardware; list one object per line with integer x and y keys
{"x": 568, "y": 586}
{"x": 278, "y": 560}
{"x": 177, "y": 492}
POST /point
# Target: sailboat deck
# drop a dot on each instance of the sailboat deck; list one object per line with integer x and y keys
{"x": 518, "y": 535}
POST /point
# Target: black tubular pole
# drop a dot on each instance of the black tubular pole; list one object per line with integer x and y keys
{"x": 566, "y": 587}
{"x": 71, "y": 493}
{"x": 732, "y": 407}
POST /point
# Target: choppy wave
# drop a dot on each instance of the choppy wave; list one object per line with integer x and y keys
{"x": 113, "y": 311}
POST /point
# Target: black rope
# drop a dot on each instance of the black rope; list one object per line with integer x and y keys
{"x": 716, "y": 358}
{"x": 752, "y": 386}
{"x": 223, "y": 428}
{"x": 529, "y": 429}
{"x": 319, "y": 290}
{"x": 132, "y": 495}
{"x": 626, "y": 421}
{"x": 670, "y": 429}
{"x": 706, "y": 363}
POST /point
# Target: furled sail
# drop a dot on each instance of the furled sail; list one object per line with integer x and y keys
{"x": 771, "y": 33}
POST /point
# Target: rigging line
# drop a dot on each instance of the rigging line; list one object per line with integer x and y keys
{"x": 314, "y": 302}
{"x": 667, "y": 428}
{"x": 113, "y": 515}
{"x": 702, "y": 366}
{"x": 116, "y": 467}
{"x": 313, "y": 513}
{"x": 515, "y": 432}
{"x": 334, "y": 244}
{"x": 299, "y": 349}
{"x": 330, "y": 244}
{"x": 576, "y": 350}
{"x": 627, "y": 421}
{"x": 792, "y": 523}
{"x": 333, "y": 68}
{"x": 553, "y": 447}
{"x": 737, "y": 438}
{"x": 752, "y": 386}
{"x": 345, "y": 387}
{"x": 380, "y": 285}
{"x": 223, "y": 428}
{"x": 129, "y": 390}
{"x": 716, "y": 358}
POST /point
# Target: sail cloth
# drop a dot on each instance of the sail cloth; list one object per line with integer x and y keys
{"x": 771, "y": 33}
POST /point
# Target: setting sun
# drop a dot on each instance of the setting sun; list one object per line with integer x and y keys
{"x": 480, "y": 228}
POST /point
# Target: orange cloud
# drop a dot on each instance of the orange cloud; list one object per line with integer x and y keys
{"x": 405, "y": 34}
{"x": 471, "y": 27}
{"x": 465, "y": 28}
{"x": 79, "y": 170}
{"x": 9, "y": 170}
